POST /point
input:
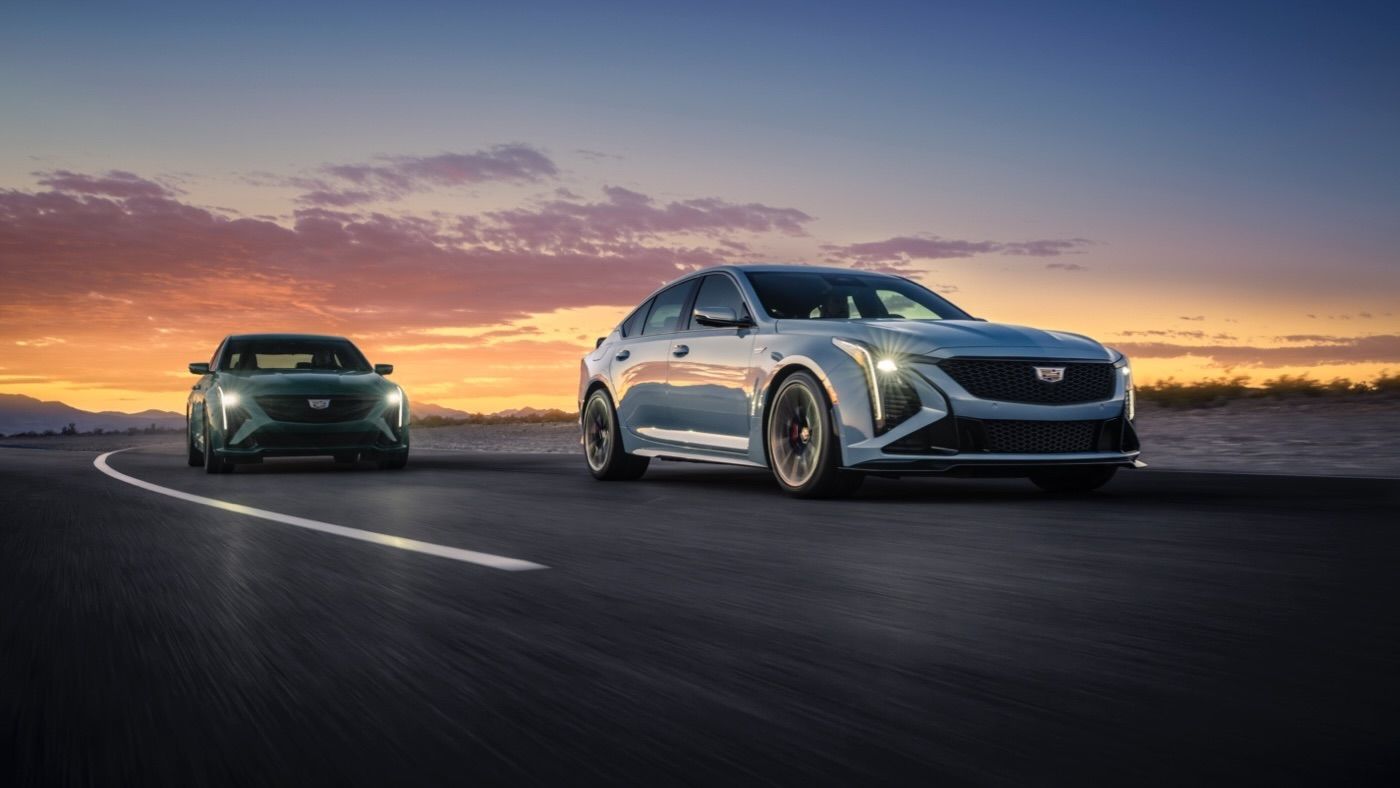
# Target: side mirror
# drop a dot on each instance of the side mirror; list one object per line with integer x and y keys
{"x": 720, "y": 317}
{"x": 199, "y": 368}
{"x": 383, "y": 369}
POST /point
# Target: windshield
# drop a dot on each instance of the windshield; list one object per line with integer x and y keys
{"x": 322, "y": 355}
{"x": 808, "y": 295}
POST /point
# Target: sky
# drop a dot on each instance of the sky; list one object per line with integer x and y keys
{"x": 474, "y": 192}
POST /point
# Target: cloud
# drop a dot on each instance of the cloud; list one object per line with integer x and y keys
{"x": 626, "y": 217}
{"x": 1067, "y": 266}
{"x": 903, "y": 249}
{"x": 40, "y": 342}
{"x": 150, "y": 253}
{"x": 114, "y": 183}
{"x": 1382, "y": 349}
{"x": 1192, "y": 317}
{"x": 392, "y": 177}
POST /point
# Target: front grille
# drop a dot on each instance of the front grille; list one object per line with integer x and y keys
{"x": 1015, "y": 381}
{"x": 1040, "y": 437}
{"x": 314, "y": 440}
{"x": 297, "y": 409}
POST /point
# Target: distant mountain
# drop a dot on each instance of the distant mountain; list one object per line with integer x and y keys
{"x": 423, "y": 410}
{"x": 523, "y": 413}
{"x": 19, "y": 413}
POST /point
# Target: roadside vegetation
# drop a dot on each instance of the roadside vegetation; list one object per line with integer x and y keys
{"x": 1171, "y": 393}
{"x": 551, "y": 416}
{"x": 72, "y": 430}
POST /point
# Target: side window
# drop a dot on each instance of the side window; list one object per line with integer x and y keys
{"x": 719, "y": 290}
{"x": 665, "y": 315}
{"x": 632, "y": 326}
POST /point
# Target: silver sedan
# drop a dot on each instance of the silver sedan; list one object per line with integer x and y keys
{"x": 827, "y": 375}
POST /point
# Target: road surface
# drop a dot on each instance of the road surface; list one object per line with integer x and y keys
{"x": 693, "y": 627}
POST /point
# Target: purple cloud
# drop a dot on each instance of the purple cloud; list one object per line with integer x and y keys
{"x": 627, "y": 216}
{"x": 900, "y": 250}
{"x": 115, "y": 183}
{"x": 392, "y": 177}
{"x": 1383, "y": 349}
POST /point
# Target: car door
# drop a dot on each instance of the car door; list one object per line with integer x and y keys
{"x": 638, "y": 367}
{"x": 710, "y": 382}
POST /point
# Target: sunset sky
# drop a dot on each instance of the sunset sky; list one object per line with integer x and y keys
{"x": 473, "y": 193}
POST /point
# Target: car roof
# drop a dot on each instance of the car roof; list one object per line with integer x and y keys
{"x": 286, "y": 336}
{"x": 752, "y": 268}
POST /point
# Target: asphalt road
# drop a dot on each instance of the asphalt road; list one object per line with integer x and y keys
{"x": 693, "y": 627}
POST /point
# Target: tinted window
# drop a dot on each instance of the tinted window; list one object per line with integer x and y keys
{"x": 325, "y": 355}
{"x": 632, "y": 326}
{"x": 665, "y": 316}
{"x": 807, "y": 295}
{"x": 719, "y": 290}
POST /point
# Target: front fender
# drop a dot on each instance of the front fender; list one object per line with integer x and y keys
{"x": 839, "y": 375}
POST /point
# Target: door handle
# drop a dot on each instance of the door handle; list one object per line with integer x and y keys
{"x": 679, "y": 350}
{"x": 624, "y": 355}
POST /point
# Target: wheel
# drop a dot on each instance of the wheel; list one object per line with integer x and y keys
{"x": 196, "y": 457}
{"x": 213, "y": 463}
{"x": 394, "y": 463}
{"x": 803, "y": 448}
{"x": 602, "y": 445}
{"x": 1072, "y": 480}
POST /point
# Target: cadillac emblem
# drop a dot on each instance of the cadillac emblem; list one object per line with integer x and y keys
{"x": 319, "y": 404}
{"x": 1049, "y": 374}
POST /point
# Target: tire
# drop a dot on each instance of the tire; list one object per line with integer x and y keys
{"x": 213, "y": 463}
{"x": 396, "y": 463}
{"x": 1073, "y": 480}
{"x": 602, "y": 443}
{"x": 802, "y": 443}
{"x": 196, "y": 457}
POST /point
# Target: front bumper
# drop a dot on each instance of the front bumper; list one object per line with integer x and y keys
{"x": 955, "y": 433}
{"x": 251, "y": 435}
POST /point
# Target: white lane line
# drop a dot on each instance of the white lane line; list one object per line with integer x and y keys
{"x": 442, "y": 551}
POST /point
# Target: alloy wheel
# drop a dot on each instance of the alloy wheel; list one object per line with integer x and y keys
{"x": 796, "y": 433}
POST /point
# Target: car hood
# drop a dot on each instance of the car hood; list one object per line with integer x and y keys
{"x": 305, "y": 382}
{"x": 957, "y": 337}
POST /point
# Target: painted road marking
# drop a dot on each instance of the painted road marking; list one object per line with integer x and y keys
{"x": 442, "y": 551}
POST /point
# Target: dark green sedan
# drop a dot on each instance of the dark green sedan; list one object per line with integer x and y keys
{"x": 294, "y": 395}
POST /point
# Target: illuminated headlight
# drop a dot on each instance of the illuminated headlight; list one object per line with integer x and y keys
{"x": 1129, "y": 396}
{"x": 227, "y": 399}
{"x": 395, "y": 398}
{"x": 887, "y": 365}
{"x": 863, "y": 357}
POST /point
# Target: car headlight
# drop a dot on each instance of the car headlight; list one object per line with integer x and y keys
{"x": 876, "y": 368}
{"x": 1129, "y": 396}
{"x": 227, "y": 399}
{"x": 395, "y": 398}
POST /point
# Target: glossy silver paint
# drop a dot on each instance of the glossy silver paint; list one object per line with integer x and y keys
{"x": 702, "y": 394}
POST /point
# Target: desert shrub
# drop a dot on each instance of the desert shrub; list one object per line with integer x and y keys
{"x": 1172, "y": 393}
{"x": 1386, "y": 384}
{"x": 1299, "y": 386}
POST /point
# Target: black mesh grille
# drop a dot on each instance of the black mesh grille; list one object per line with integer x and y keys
{"x": 314, "y": 440}
{"x": 1040, "y": 437}
{"x": 298, "y": 408}
{"x": 1015, "y": 381}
